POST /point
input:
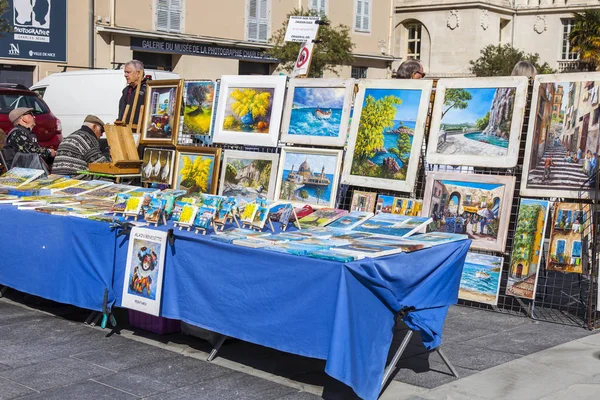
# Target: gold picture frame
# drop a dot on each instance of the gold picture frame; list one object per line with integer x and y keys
{"x": 162, "y": 112}
{"x": 192, "y": 153}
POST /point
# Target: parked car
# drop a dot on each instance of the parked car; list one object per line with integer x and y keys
{"x": 47, "y": 129}
{"x": 74, "y": 94}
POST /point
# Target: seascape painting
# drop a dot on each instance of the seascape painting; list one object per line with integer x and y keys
{"x": 196, "y": 170}
{"x": 562, "y": 142}
{"x": 570, "y": 228}
{"x": 527, "y": 248}
{"x": 198, "y": 102}
{"x": 480, "y": 280}
{"x": 157, "y": 166}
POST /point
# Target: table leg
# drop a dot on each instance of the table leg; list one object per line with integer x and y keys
{"x": 90, "y": 318}
{"x": 3, "y": 290}
{"x": 394, "y": 362}
{"x": 448, "y": 364}
{"x": 214, "y": 351}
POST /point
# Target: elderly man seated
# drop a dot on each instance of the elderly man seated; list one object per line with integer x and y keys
{"x": 80, "y": 148}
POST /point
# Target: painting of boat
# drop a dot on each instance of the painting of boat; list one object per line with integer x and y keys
{"x": 322, "y": 114}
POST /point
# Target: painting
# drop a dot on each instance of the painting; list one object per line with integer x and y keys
{"x": 386, "y": 134}
{"x": 363, "y": 201}
{"x": 308, "y": 176}
{"x": 20, "y": 176}
{"x": 398, "y": 205}
{"x": 187, "y": 215}
{"x": 110, "y": 192}
{"x": 204, "y": 217}
{"x": 321, "y": 217}
{"x": 248, "y": 214}
{"x": 155, "y": 210}
{"x": 248, "y": 175}
{"x": 480, "y": 280}
{"x": 317, "y": 112}
{"x": 83, "y": 188}
{"x": 142, "y": 288}
{"x": 526, "y": 253}
{"x": 476, "y": 205}
{"x": 197, "y": 169}
{"x": 162, "y": 110}
{"x": 391, "y": 225}
{"x": 351, "y": 220}
{"x": 562, "y": 139}
{"x": 157, "y": 165}
{"x": 477, "y": 121}
{"x": 571, "y": 226}
{"x": 249, "y": 110}
{"x": 198, "y": 105}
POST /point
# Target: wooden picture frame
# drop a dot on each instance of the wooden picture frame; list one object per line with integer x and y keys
{"x": 162, "y": 110}
{"x": 322, "y": 106}
{"x": 479, "y": 208}
{"x": 192, "y": 152}
{"x": 416, "y": 94}
{"x": 495, "y": 145}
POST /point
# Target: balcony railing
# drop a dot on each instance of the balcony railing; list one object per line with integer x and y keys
{"x": 573, "y": 66}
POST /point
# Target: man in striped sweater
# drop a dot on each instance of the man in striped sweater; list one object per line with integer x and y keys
{"x": 80, "y": 148}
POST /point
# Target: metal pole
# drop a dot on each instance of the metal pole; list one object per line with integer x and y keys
{"x": 390, "y": 368}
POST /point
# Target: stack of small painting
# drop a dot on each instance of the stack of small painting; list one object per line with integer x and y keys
{"x": 527, "y": 248}
{"x": 162, "y": 109}
{"x": 570, "y": 227}
{"x": 386, "y": 134}
{"x": 562, "y": 140}
{"x": 480, "y": 280}
{"x": 398, "y": 205}
{"x": 317, "y": 111}
{"x": 477, "y": 121}
{"x": 157, "y": 166}
{"x": 475, "y": 205}
{"x": 197, "y": 169}
{"x": 198, "y": 103}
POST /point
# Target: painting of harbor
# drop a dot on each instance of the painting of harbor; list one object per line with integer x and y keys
{"x": 480, "y": 280}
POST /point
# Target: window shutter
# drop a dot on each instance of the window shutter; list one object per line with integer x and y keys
{"x": 263, "y": 21}
{"x": 315, "y": 5}
{"x": 358, "y": 22}
{"x": 162, "y": 15}
{"x": 252, "y": 20}
{"x": 366, "y": 17}
{"x": 175, "y": 16}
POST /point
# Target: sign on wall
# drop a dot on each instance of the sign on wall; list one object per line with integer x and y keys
{"x": 301, "y": 29}
{"x": 39, "y": 30}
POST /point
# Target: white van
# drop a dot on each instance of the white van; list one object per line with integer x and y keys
{"x": 73, "y": 95}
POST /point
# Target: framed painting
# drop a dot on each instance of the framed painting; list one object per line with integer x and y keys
{"x": 198, "y": 105}
{"x": 562, "y": 138}
{"x": 248, "y": 175}
{"x": 387, "y": 133}
{"x": 162, "y": 110}
{"x": 157, "y": 165}
{"x": 527, "y": 248}
{"x": 249, "y": 110}
{"x": 308, "y": 176}
{"x": 363, "y": 201}
{"x": 398, "y": 205}
{"x": 197, "y": 169}
{"x": 317, "y": 112}
{"x": 476, "y": 205}
{"x": 571, "y": 226}
{"x": 477, "y": 121}
{"x": 480, "y": 279}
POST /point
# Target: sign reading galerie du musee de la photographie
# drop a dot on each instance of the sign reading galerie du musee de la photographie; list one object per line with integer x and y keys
{"x": 38, "y": 30}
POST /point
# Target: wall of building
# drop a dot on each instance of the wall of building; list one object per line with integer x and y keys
{"x": 192, "y": 67}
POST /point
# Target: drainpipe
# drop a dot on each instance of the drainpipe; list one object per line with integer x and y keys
{"x": 92, "y": 33}
{"x": 390, "y": 37}
{"x": 113, "y": 14}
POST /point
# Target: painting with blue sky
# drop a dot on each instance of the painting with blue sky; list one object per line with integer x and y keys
{"x": 480, "y": 280}
{"x": 317, "y": 111}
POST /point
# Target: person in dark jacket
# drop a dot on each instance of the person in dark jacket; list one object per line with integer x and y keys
{"x": 132, "y": 71}
{"x": 21, "y": 138}
{"x": 80, "y": 148}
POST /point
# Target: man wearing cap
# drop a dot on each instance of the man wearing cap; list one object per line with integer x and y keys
{"x": 21, "y": 139}
{"x": 80, "y": 148}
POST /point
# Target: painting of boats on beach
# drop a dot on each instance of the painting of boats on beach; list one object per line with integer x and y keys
{"x": 386, "y": 134}
{"x": 308, "y": 176}
{"x": 477, "y": 121}
{"x": 562, "y": 148}
{"x": 317, "y": 111}
{"x": 480, "y": 280}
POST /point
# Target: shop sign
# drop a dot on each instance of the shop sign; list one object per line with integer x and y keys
{"x": 301, "y": 29}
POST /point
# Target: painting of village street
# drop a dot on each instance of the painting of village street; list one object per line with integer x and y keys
{"x": 476, "y": 121}
{"x": 309, "y": 178}
{"x": 564, "y": 138}
{"x": 527, "y": 248}
{"x": 570, "y": 228}
{"x": 247, "y": 179}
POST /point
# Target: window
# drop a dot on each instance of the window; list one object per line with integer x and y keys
{"x": 596, "y": 116}
{"x": 359, "y": 72}
{"x": 258, "y": 20}
{"x": 567, "y": 53}
{"x": 169, "y": 15}
{"x": 414, "y": 42}
{"x": 319, "y": 6}
{"x": 10, "y": 101}
{"x": 362, "y": 17}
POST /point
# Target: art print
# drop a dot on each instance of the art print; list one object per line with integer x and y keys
{"x": 308, "y": 176}
{"x": 261, "y": 216}
{"x": 249, "y": 110}
{"x": 322, "y": 217}
{"x": 398, "y": 205}
{"x": 155, "y": 210}
{"x": 187, "y": 215}
{"x": 157, "y": 165}
{"x": 317, "y": 111}
{"x": 351, "y": 220}
{"x": 391, "y": 225}
{"x": 198, "y": 105}
{"x": 386, "y": 134}
{"x": 162, "y": 112}
{"x": 363, "y": 201}
{"x": 83, "y": 188}
{"x": 571, "y": 226}
{"x": 197, "y": 169}
{"x": 20, "y": 176}
{"x": 204, "y": 217}
{"x": 247, "y": 216}
{"x": 477, "y": 121}
{"x": 142, "y": 289}
{"x": 562, "y": 138}
{"x": 480, "y": 280}
{"x": 475, "y": 205}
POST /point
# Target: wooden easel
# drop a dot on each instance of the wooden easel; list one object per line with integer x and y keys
{"x": 124, "y": 154}
{"x": 127, "y": 117}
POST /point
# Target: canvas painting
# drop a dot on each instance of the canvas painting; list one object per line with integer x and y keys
{"x": 477, "y": 121}
{"x": 157, "y": 166}
{"x": 63, "y": 184}
{"x": 475, "y": 205}
{"x": 480, "y": 280}
{"x": 363, "y": 201}
{"x": 249, "y": 110}
{"x": 260, "y": 218}
{"x": 247, "y": 216}
{"x": 321, "y": 217}
{"x": 162, "y": 112}
{"x": 197, "y": 169}
{"x": 142, "y": 289}
{"x": 187, "y": 215}
{"x": 248, "y": 175}
{"x": 317, "y": 111}
{"x": 83, "y": 188}
{"x": 562, "y": 139}
{"x": 398, "y": 205}
{"x": 351, "y": 220}
{"x": 155, "y": 210}
{"x": 387, "y": 133}
{"x": 198, "y": 104}
{"x": 571, "y": 226}
{"x": 308, "y": 176}
{"x": 527, "y": 248}
{"x": 20, "y": 176}
{"x": 437, "y": 238}
{"x": 204, "y": 217}
{"x": 133, "y": 206}
{"x": 391, "y": 225}
{"x": 110, "y": 192}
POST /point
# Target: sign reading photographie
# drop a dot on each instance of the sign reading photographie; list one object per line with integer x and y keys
{"x": 38, "y": 30}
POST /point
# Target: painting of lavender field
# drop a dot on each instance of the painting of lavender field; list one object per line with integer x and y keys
{"x": 480, "y": 280}
{"x": 317, "y": 111}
